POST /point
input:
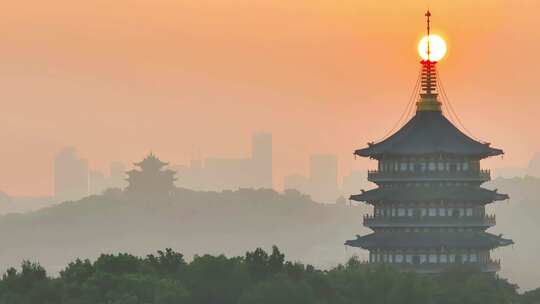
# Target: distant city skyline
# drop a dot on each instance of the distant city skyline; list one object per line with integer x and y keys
{"x": 220, "y": 173}
{"x": 74, "y": 179}
{"x": 347, "y": 182}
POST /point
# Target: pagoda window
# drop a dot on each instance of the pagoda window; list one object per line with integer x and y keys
{"x": 423, "y": 211}
{"x": 404, "y": 166}
{"x": 396, "y": 166}
{"x": 433, "y": 259}
{"x": 432, "y": 211}
{"x": 464, "y": 258}
{"x": 465, "y": 166}
{"x": 408, "y": 258}
{"x": 473, "y": 258}
{"x": 432, "y": 166}
{"x": 410, "y": 212}
{"x": 399, "y": 258}
{"x": 469, "y": 211}
{"x": 423, "y": 259}
{"x": 443, "y": 258}
{"x": 441, "y": 166}
{"x": 401, "y": 212}
{"x": 442, "y": 211}
{"x": 452, "y": 258}
{"x": 461, "y": 212}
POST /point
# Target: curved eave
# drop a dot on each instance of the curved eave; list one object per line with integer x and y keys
{"x": 374, "y": 153}
{"x": 429, "y": 133}
{"x": 429, "y": 240}
{"x": 413, "y": 194}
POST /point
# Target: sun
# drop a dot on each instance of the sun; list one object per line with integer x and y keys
{"x": 437, "y": 47}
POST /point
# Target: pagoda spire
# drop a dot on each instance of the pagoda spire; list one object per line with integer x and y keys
{"x": 428, "y": 92}
{"x": 428, "y": 16}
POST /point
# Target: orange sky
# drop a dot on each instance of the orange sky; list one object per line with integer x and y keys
{"x": 120, "y": 78}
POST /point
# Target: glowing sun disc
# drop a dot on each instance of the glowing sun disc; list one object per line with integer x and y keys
{"x": 437, "y": 48}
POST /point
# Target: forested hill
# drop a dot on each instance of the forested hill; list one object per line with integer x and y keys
{"x": 233, "y": 222}
{"x": 191, "y": 222}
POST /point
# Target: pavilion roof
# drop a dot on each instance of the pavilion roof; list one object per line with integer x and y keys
{"x": 151, "y": 161}
{"x": 428, "y": 133}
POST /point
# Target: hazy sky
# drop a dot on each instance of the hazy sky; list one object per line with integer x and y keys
{"x": 120, "y": 78}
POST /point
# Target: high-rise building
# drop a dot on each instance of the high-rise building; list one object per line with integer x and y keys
{"x": 217, "y": 174}
{"x": 70, "y": 175}
{"x": 97, "y": 182}
{"x": 322, "y": 184}
{"x": 429, "y": 207}
{"x": 295, "y": 182}
{"x": 117, "y": 178}
{"x": 261, "y": 158}
{"x": 228, "y": 173}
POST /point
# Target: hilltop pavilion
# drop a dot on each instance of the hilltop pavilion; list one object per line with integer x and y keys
{"x": 151, "y": 178}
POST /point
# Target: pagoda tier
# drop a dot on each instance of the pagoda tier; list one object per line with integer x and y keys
{"x": 472, "y": 194}
{"x": 432, "y": 252}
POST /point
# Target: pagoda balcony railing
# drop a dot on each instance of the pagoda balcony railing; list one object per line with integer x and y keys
{"x": 488, "y": 266}
{"x": 391, "y": 176}
{"x": 429, "y": 221}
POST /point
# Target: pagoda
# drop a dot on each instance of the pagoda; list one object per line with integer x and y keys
{"x": 429, "y": 207}
{"x": 151, "y": 178}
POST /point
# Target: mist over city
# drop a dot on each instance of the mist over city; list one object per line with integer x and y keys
{"x": 269, "y": 152}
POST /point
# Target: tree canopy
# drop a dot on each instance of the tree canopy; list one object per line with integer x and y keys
{"x": 258, "y": 277}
